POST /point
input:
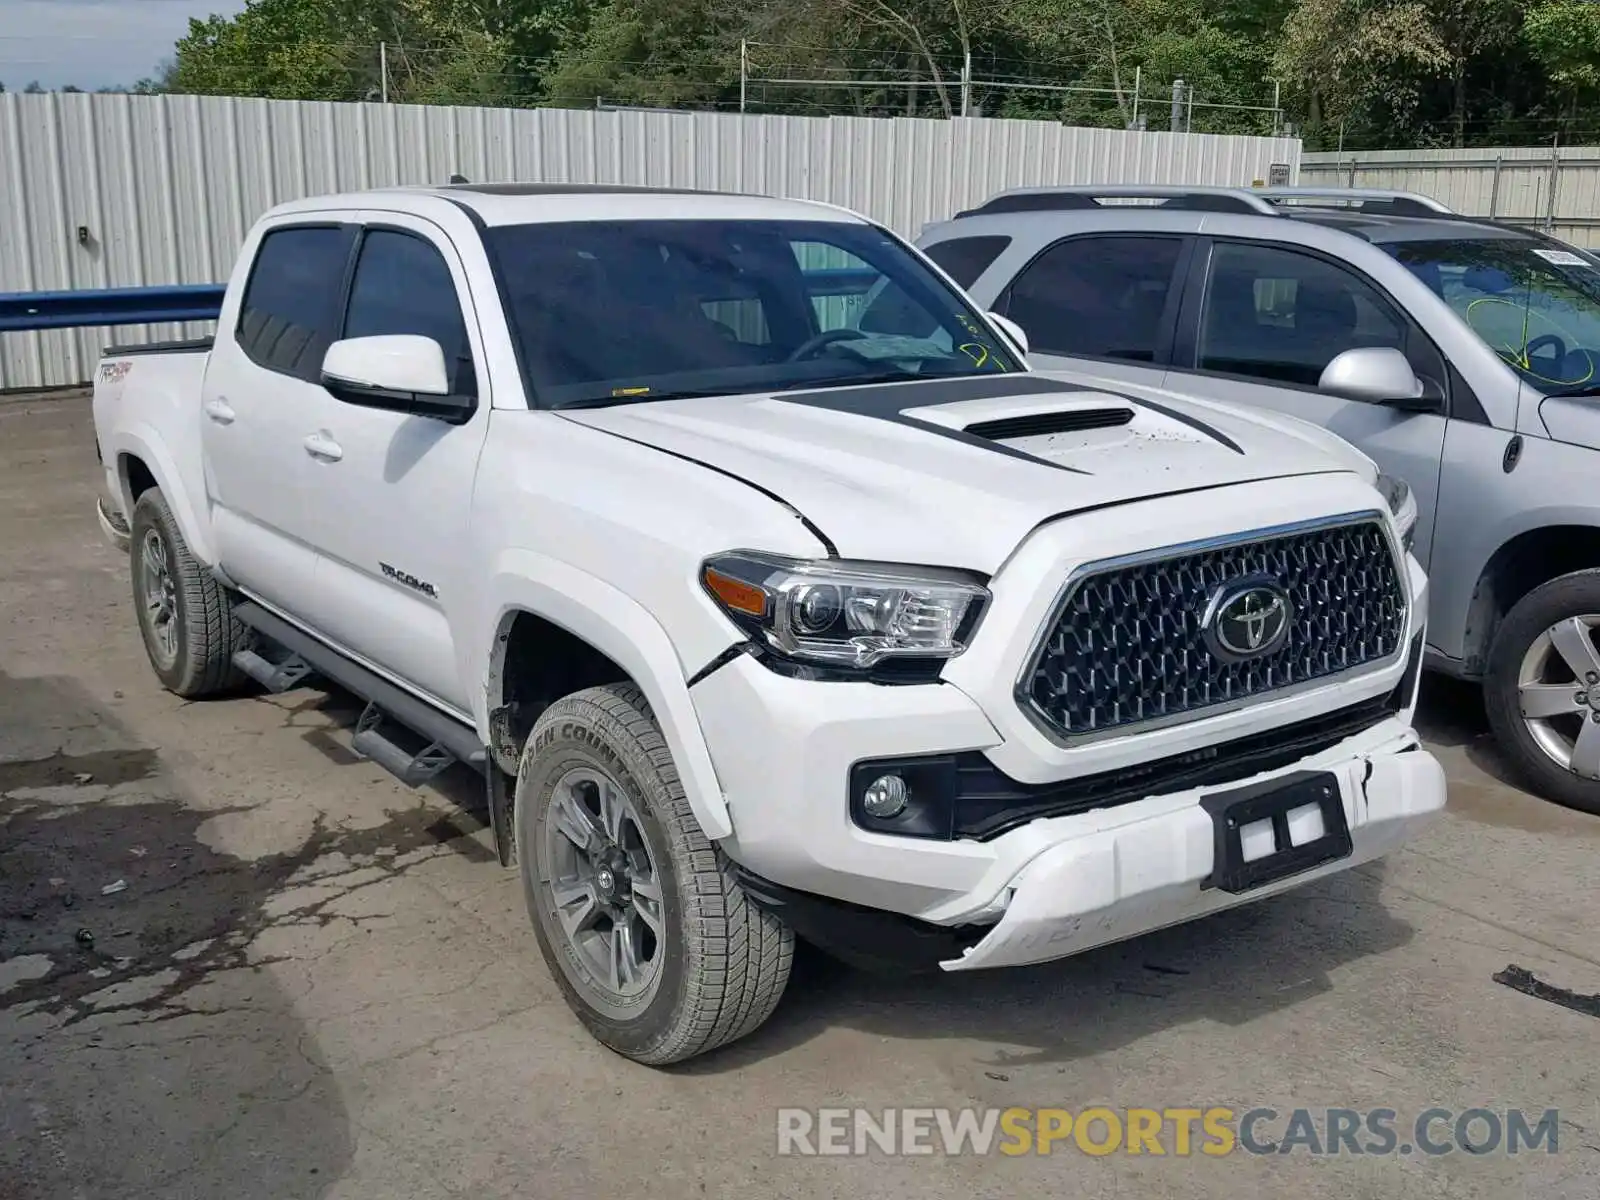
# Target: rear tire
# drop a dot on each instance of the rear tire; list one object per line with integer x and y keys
{"x": 1542, "y": 690}
{"x": 609, "y": 849}
{"x": 185, "y": 616}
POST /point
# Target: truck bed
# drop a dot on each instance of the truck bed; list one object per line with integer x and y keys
{"x": 142, "y": 388}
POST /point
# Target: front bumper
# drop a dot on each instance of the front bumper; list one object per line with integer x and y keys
{"x": 1048, "y": 888}
{"x": 1125, "y": 873}
{"x": 1131, "y": 876}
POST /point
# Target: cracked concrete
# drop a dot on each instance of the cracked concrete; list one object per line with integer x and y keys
{"x": 318, "y": 984}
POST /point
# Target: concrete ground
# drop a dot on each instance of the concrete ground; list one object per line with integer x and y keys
{"x": 316, "y": 983}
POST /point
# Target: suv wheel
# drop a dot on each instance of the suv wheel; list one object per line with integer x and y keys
{"x": 185, "y": 616}
{"x": 638, "y": 915}
{"x": 1543, "y": 689}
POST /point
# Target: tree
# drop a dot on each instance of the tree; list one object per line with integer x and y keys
{"x": 1468, "y": 31}
{"x": 648, "y": 52}
{"x": 1391, "y": 72}
{"x": 1563, "y": 37}
{"x": 278, "y": 49}
{"x": 1219, "y": 49}
{"x": 1354, "y": 59}
{"x": 438, "y": 51}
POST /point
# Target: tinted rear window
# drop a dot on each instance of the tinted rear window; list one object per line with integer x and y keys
{"x": 1103, "y": 296}
{"x": 965, "y": 259}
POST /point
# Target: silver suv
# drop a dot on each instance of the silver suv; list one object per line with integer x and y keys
{"x": 1463, "y": 356}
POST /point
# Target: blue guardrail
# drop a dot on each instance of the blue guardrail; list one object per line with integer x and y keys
{"x": 23, "y": 311}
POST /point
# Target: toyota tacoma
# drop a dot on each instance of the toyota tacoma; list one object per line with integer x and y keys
{"x": 770, "y": 591}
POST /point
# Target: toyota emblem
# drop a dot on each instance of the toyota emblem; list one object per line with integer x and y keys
{"x": 1248, "y": 618}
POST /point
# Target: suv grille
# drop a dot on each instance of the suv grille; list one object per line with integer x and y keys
{"x": 1127, "y": 645}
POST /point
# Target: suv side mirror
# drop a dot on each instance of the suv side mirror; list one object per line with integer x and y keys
{"x": 1378, "y": 375}
{"x": 401, "y": 372}
{"x": 1012, "y": 330}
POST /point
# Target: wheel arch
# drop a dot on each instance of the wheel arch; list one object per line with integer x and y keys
{"x": 1524, "y": 561}
{"x": 574, "y": 628}
{"x": 142, "y": 461}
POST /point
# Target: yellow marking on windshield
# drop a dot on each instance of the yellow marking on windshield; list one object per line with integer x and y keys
{"x": 1519, "y": 357}
{"x": 633, "y": 391}
{"x": 977, "y": 352}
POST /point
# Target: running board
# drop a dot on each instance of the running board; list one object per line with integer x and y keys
{"x": 413, "y": 770}
{"x": 448, "y": 740}
{"x": 275, "y": 677}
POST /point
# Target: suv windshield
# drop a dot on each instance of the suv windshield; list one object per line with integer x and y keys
{"x": 1535, "y": 304}
{"x": 611, "y": 312}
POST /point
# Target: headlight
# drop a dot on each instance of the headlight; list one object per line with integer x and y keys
{"x": 846, "y": 615}
{"x": 1403, "y": 505}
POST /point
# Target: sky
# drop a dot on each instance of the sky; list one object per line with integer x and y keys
{"x": 93, "y": 43}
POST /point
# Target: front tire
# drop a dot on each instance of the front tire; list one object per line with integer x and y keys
{"x": 639, "y": 917}
{"x": 185, "y": 616}
{"x": 1542, "y": 691}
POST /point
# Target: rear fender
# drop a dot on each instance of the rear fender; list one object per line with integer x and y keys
{"x": 143, "y": 442}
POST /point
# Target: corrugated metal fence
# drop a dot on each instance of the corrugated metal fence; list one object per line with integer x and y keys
{"x": 123, "y": 191}
{"x": 1555, "y": 190}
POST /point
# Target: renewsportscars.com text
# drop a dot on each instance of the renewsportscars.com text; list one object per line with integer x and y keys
{"x": 1213, "y": 1132}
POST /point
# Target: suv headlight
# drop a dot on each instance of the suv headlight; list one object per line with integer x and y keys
{"x": 849, "y": 616}
{"x": 1403, "y": 505}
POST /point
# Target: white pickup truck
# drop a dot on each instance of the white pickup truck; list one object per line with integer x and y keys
{"x": 769, "y": 590}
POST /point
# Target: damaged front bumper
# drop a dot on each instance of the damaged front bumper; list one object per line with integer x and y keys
{"x": 1121, "y": 872}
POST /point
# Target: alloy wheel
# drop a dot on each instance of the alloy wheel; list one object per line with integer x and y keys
{"x": 1558, "y": 689}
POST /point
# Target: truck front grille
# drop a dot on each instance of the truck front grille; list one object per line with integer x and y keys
{"x": 1127, "y": 646}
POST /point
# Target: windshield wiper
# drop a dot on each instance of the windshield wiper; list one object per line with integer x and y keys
{"x": 1576, "y": 391}
{"x": 888, "y": 375}
{"x": 638, "y": 397}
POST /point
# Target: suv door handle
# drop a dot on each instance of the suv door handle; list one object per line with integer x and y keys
{"x": 219, "y": 410}
{"x": 320, "y": 445}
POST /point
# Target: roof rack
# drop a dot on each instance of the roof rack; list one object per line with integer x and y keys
{"x": 1080, "y": 197}
{"x": 1368, "y": 200}
{"x": 1269, "y": 201}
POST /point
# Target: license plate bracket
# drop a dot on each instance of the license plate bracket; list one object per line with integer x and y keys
{"x": 1273, "y": 801}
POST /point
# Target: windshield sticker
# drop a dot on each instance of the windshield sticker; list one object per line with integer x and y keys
{"x": 1564, "y": 258}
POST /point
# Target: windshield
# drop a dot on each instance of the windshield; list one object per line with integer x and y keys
{"x": 1536, "y": 305}
{"x": 611, "y": 312}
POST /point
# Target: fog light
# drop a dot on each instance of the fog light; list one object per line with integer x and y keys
{"x": 885, "y": 797}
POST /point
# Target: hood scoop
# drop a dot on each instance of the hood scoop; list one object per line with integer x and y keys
{"x": 1043, "y": 424}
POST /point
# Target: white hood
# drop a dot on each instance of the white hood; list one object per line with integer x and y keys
{"x": 896, "y": 472}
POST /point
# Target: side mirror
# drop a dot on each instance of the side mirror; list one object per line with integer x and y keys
{"x": 1378, "y": 375}
{"x": 1012, "y": 330}
{"x": 401, "y": 372}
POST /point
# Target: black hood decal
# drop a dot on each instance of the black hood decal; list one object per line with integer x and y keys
{"x": 1194, "y": 423}
{"x": 889, "y": 402}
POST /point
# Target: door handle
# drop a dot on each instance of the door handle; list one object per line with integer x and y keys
{"x": 219, "y": 410}
{"x": 320, "y": 445}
